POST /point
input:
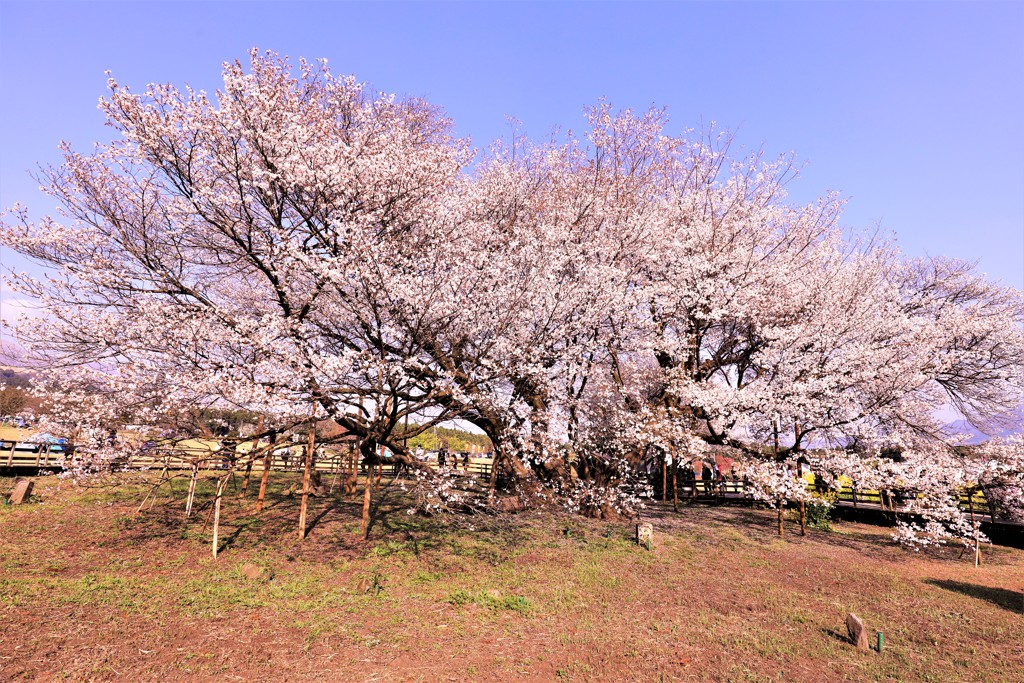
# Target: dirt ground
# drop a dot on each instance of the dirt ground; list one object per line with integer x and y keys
{"x": 90, "y": 590}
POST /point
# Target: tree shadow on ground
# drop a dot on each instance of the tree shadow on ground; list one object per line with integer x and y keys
{"x": 760, "y": 525}
{"x": 1000, "y": 597}
{"x": 331, "y": 505}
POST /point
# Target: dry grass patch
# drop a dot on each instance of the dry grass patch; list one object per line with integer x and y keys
{"x": 90, "y": 590}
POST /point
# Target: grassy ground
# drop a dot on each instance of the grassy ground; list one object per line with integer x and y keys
{"x": 89, "y": 590}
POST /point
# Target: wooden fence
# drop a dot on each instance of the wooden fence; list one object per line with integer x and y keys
{"x": 53, "y": 456}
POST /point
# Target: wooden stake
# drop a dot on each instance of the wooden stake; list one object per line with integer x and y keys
{"x": 306, "y": 473}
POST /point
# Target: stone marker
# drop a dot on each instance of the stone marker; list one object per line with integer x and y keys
{"x": 858, "y": 634}
{"x": 22, "y": 490}
{"x": 645, "y": 535}
{"x": 316, "y": 485}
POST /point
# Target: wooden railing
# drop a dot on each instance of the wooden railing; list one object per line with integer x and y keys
{"x": 31, "y": 454}
{"x": 972, "y": 500}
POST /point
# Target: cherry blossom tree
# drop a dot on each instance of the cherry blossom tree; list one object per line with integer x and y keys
{"x": 301, "y": 248}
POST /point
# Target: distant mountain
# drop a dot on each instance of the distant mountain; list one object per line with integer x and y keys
{"x": 14, "y": 377}
{"x": 1015, "y": 426}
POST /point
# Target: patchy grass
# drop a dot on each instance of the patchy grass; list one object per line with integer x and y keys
{"x": 91, "y": 590}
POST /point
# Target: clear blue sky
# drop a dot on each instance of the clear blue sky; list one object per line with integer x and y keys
{"x": 914, "y": 111}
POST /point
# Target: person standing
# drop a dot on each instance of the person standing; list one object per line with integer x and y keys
{"x": 706, "y": 477}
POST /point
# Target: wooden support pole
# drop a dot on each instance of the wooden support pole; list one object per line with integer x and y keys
{"x": 152, "y": 492}
{"x": 306, "y": 472}
{"x": 252, "y": 458}
{"x": 675, "y": 480}
{"x": 191, "y": 490}
{"x": 245, "y": 477}
{"x": 221, "y": 483}
{"x": 779, "y": 502}
{"x": 664, "y": 477}
{"x": 352, "y": 472}
{"x": 337, "y": 473}
{"x": 494, "y": 475}
{"x": 268, "y": 464}
{"x": 367, "y": 497}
